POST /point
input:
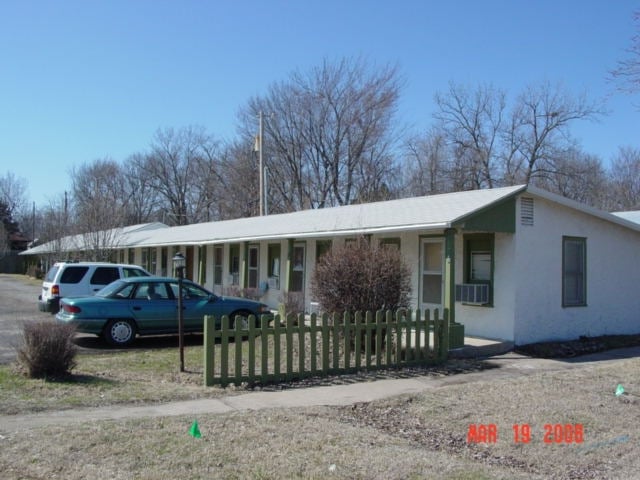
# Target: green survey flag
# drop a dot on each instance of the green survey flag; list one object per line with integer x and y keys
{"x": 194, "y": 431}
{"x": 619, "y": 390}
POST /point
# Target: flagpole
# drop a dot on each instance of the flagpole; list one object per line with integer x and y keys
{"x": 260, "y": 166}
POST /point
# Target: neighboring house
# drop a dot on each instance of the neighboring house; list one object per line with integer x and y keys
{"x": 78, "y": 247}
{"x": 633, "y": 216}
{"x": 516, "y": 263}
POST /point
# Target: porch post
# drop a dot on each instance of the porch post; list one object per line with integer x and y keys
{"x": 245, "y": 265}
{"x": 289, "y": 268}
{"x": 454, "y": 332}
{"x": 449, "y": 272}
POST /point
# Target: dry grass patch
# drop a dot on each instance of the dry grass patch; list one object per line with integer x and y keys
{"x": 420, "y": 436}
{"x": 125, "y": 377}
{"x": 440, "y": 421}
{"x": 309, "y": 443}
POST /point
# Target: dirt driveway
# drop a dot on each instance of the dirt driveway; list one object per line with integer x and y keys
{"x": 18, "y": 303}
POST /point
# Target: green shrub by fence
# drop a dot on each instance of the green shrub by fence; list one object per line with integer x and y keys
{"x": 320, "y": 346}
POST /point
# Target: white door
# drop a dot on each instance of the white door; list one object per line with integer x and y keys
{"x": 432, "y": 274}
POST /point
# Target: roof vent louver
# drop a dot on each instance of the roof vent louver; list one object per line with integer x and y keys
{"x": 526, "y": 211}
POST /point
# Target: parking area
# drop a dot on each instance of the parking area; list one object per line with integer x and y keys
{"x": 18, "y": 303}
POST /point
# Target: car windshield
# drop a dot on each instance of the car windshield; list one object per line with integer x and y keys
{"x": 111, "y": 289}
{"x": 191, "y": 291}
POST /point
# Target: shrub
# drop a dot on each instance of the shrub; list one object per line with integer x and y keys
{"x": 47, "y": 350}
{"x": 291, "y": 302}
{"x": 360, "y": 277}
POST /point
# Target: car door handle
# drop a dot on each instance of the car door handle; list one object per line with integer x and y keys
{"x": 137, "y": 308}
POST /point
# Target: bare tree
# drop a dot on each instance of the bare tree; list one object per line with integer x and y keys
{"x": 238, "y": 190}
{"x": 142, "y": 203}
{"x": 538, "y": 136}
{"x": 426, "y": 158}
{"x": 627, "y": 73}
{"x": 13, "y": 194}
{"x": 53, "y": 221}
{"x": 328, "y": 134}
{"x": 100, "y": 205}
{"x": 579, "y": 176}
{"x": 183, "y": 169}
{"x": 625, "y": 179}
{"x": 472, "y": 122}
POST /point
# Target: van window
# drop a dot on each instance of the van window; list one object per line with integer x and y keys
{"x": 73, "y": 274}
{"x": 133, "y": 272}
{"x": 104, "y": 275}
{"x": 51, "y": 274}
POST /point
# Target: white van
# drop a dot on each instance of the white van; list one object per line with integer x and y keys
{"x": 81, "y": 279}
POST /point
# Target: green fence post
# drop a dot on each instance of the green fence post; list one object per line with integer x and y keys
{"x": 237, "y": 339}
{"x": 437, "y": 334}
{"x": 427, "y": 333}
{"x": 346, "y": 321}
{"x": 358, "y": 339}
{"x": 325, "y": 344}
{"x": 400, "y": 316}
{"x": 289, "y": 337}
{"x": 276, "y": 347}
{"x": 368, "y": 327}
{"x": 445, "y": 336}
{"x": 335, "y": 343}
{"x": 224, "y": 352}
{"x": 264, "y": 354}
{"x": 252, "y": 349}
{"x": 408, "y": 334}
{"x": 379, "y": 317}
{"x": 388, "y": 328}
{"x": 209, "y": 350}
{"x": 301, "y": 345}
{"x": 313, "y": 341}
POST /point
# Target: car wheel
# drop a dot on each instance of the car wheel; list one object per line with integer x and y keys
{"x": 120, "y": 333}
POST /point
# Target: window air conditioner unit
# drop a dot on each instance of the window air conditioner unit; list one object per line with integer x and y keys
{"x": 472, "y": 293}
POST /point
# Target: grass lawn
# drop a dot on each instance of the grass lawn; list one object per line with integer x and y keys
{"x": 419, "y": 436}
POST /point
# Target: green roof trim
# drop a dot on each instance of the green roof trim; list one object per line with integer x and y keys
{"x": 500, "y": 217}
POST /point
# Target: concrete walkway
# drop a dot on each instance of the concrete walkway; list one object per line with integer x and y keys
{"x": 507, "y": 365}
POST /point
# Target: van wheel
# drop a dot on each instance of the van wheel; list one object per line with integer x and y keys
{"x": 120, "y": 332}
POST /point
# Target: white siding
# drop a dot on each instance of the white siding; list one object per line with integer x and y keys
{"x": 613, "y": 277}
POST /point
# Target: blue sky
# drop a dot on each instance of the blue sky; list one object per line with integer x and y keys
{"x": 83, "y": 80}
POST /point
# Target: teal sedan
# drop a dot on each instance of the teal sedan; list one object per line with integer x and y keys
{"x": 149, "y": 306}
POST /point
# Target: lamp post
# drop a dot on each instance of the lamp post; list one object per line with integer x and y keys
{"x": 178, "y": 265}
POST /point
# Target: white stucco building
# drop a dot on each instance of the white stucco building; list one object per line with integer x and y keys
{"x": 517, "y": 263}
